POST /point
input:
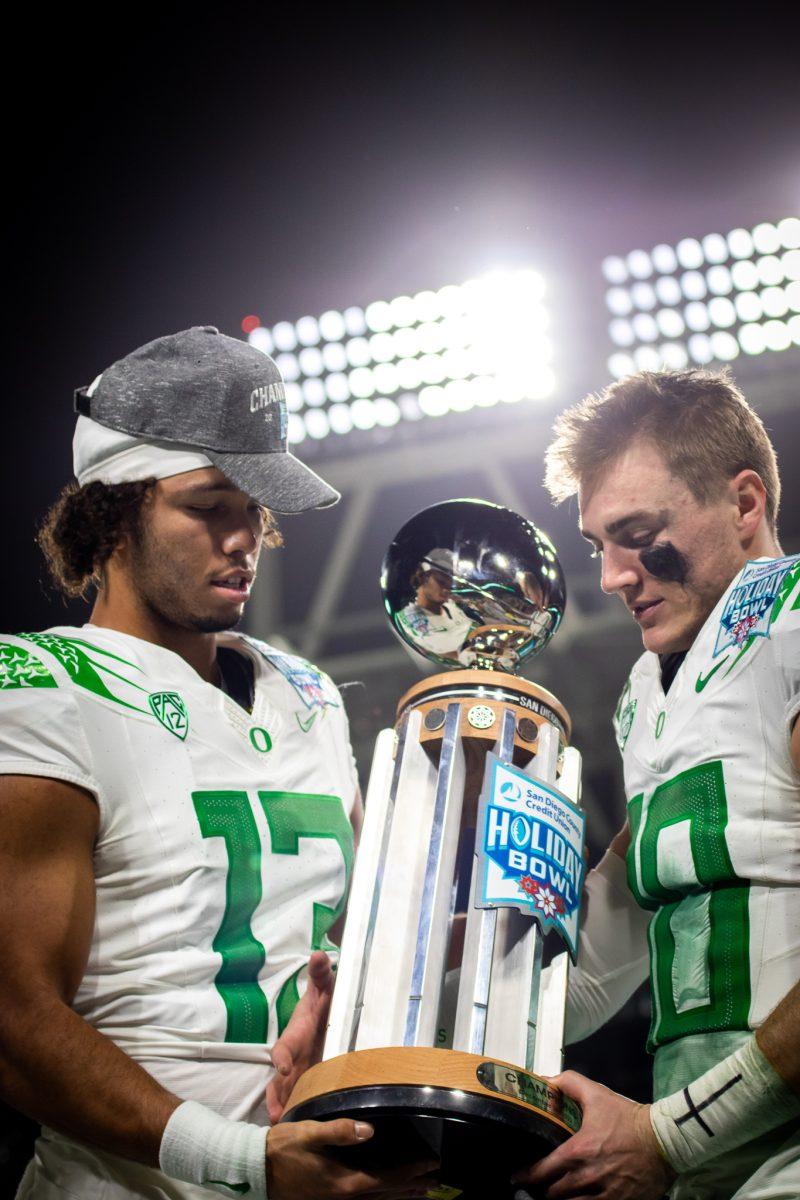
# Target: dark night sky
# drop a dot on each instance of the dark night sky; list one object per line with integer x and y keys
{"x": 189, "y": 168}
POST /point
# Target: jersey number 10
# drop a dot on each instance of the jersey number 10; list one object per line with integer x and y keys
{"x": 679, "y": 866}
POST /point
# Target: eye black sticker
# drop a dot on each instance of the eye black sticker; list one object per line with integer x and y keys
{"x": 665, "y": 561}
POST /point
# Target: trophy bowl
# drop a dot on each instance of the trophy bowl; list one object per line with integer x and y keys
{"x": 469, "y": 584}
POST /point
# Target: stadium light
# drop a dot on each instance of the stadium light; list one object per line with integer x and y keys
{"x": 705, "y": 300}
{"x": 481, "y": 343}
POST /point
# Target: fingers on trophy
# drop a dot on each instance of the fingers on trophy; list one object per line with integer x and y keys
{"x": 443, "y": 1021}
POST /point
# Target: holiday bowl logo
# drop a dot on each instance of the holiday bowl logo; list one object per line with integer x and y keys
{"x": 309, "y": 683}
{"x": 544, "y": 866}
{"x": 748, "y": 609}
{"x": 530, "y": 848}
{"x": 417, "y": 620}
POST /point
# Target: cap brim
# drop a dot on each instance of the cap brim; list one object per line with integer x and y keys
{"x": 279, "y": 481}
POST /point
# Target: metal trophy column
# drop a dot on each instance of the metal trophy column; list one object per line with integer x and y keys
{"x": 393, "y": 955}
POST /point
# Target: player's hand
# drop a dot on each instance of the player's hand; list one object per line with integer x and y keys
{"x": 298, "y": 1167}
{"x": 300, "y": 1044}
{"x": 614, "y": 1155}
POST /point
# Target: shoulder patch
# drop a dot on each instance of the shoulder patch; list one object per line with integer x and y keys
{"x": 312, "y": 685}
{"x": 415, "y": 619}
{"x": 753, "y": 602}
{"x": 21, "y": 669}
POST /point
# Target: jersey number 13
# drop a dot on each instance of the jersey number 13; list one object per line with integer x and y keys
{"x": 290, "y": 816}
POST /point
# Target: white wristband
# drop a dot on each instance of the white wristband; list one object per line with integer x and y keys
{"x": 737, "y": 1100}
{"x": 200, "y": 1146}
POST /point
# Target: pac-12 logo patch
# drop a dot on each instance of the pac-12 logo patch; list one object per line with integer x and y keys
{"x": 748, "y": 609}
{"x": 171, "y": 712}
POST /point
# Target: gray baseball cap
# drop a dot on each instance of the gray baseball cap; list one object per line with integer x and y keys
{"x": 201, "y": 389}
{"x": 439, "y": 559}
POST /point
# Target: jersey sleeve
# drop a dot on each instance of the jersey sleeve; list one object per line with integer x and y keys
{"x": 785, "y": 637}
{"x": 41, "y": 732}
{"x": 613, "y": 957}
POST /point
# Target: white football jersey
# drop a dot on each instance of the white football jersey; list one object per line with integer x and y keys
{"x": 714, "y": 810}
{"x": 224, "y": 845}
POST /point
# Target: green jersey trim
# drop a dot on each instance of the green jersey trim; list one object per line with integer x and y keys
{"x": 88, "y": 671}
{"x": 21, "y": 669}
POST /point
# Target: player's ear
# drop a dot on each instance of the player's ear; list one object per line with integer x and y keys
{"x": 119, "y": 558}
{"x": 750, "y": 497}
{"x": 122, "y": 544}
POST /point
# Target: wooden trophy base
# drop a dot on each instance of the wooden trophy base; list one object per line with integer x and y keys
{"x": 481, "y": 1119}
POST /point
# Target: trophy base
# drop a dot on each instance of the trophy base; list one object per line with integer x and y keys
{"x": 480, "y": 1119}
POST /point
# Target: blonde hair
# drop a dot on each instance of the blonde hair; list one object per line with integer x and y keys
{"x": 698, "y": 420}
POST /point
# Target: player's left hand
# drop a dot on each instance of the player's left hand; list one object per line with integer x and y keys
{"x": 614, "y": 1155}
{"x": 300, "y": 1044}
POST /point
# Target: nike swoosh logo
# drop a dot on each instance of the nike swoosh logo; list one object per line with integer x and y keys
{"x": 306, "y": 725}
{"x": 241, "y": 1188}
{"x": 703, "y": 680}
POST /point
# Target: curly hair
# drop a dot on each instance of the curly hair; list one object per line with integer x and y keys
{"x": 85, "y": 524}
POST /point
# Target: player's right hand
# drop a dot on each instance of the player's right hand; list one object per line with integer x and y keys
{"x": 298, "y": 1167}
{"x": 300, "y": 1044}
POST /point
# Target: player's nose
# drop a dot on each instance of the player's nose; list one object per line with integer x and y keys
{"x": 241, "y": 538}
{"x": 621, "y": 569}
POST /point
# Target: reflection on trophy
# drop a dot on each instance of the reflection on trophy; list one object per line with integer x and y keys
{"x": 443, "y": 1021}
{"x": 433, "y": 622}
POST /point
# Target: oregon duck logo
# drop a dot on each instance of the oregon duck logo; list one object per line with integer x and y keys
{"x": 171, "y": 712}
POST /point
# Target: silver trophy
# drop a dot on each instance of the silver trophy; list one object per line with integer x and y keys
{"x": 442, "y": 1022}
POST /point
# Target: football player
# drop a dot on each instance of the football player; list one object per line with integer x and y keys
{"x": 177, "y": 806}
{"x": 433, "y": 620}
{"x": 678, "y": 492}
